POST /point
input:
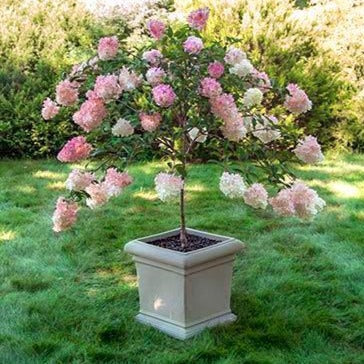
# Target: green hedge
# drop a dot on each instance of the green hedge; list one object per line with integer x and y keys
{"x": 318, "y": 47}
{"x": 38, "y": 41}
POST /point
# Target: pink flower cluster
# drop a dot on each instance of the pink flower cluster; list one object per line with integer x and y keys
{"x": 115, "y": 181}
{"x": 129, "y": 80}
{"x": 107, "y": 87}
{"x": 193, "y": 45}
{"x": 108, "y": 48}
{"x": 309, "y": 150}
{"x": 92, "y": 112}
{"x": 75, "y": 150}
{"x": 298, "y": 200}
{"x": 113, "y": 184}
{"x": 232, "y": 185}
{"x": 67, "y": 93}
{"x": 163, "y": 95}
{"x": 256, "y": 196}
{"x": 155, "y": 75}
{"x": 234, "y": 129}
{"x": 215, "y": 69}
{"x": 197, "y": 19}
{"x": 168, "y": 186}
{"x": 153, "y": 57}
{"x": 78, "y": 180}
{"x": 261, "y": 80}
{"x": 50, "y": 109}
{"x": 156, "y": 29}
{"x": 65, "y": 214}
{"x": 210, "y": 88}
{"x": 224, "y": 107}
{"x": 297, "y": 101}
{"x": 98, "y": 195}
{"x": 150, "y": 122}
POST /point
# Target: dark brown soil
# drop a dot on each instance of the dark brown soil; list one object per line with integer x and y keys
{"x": 194, "y": 242}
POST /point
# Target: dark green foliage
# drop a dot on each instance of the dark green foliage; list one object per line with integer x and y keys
{"x": 42, "y": 40}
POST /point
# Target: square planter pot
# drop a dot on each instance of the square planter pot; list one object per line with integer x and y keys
{"x": 183, "y": 293}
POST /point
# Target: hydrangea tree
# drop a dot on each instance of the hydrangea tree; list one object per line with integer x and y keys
{"x": 179, "y": 93}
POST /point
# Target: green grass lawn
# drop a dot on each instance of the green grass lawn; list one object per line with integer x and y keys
{"x": 298, "y": 289}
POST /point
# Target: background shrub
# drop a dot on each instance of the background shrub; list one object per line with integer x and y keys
{"x": 317, "y": 44}
{"x": 38, "y": 41}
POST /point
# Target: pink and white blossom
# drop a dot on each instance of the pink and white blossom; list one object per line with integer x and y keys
{"x": 308, "y": 150}
{"x": 232, "y": 185}
{"x": 115, "y": 181}
{"x": 78, "y": 180}
{"x": 98, "y": 195}
{"x": 193, "y": 45}
{"x": 197, "y": 19}
{"x": 298, "y": 200}
{"x": 150, "y": 122}
{"x": 234, "y": 128}
{"x": 91, "y": 114}
{"x": 65, "y": 214}
{"x": 234, "y": 56}
{"x": 107, "y": 87}
{"x": 261, "y": 80}
{"x": 153, "y": 57}
{"x": 209, "y": 87}
{"x": 256, "y": 196}
{"x": 67, "y": 93}
{"x": 265, "y": 131}
{"x": 50, "y": 109}
{"x": 129, "y": 80}
{"x": 242, "y": 69}
{"x": 297, "y": 101}
{"x": 122, "y": 128}
{"x": 155, "y": 76}
{"x": 108, "y": 48}
{"x": 163, "y": 95}
{"x": 156, "y": 28}
{"x": 223, "y": 106}
{"x": 168, "y": 186}
{"x": 216, "y": 69}
{"x": 306, "y": 201}
{"x": 252, "y": 97}
{"x": 75, "y": 150}
{"x": 282, "y": 203}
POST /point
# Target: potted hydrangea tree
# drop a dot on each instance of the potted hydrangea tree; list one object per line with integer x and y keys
{"x": 178, "y": 94}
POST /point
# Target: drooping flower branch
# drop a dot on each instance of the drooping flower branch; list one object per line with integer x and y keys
{"x": 180, "y": 93}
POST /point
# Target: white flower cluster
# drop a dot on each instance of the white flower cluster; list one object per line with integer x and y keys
{"x": 241, "y": 66}
{"x": 232, "y": 185}
{"x": 253, "y": 96}
{"x": 122, "y": 128}
{"x": 168, "y": 186}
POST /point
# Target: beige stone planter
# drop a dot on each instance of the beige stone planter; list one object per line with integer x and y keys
{"x": 183, "y": 293}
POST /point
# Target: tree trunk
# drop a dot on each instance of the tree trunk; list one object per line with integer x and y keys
{"x": 183, "y": 237}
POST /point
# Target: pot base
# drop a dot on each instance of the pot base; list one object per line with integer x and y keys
{"x": 182, "y": 293}
{"x": 180, "y": 332}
